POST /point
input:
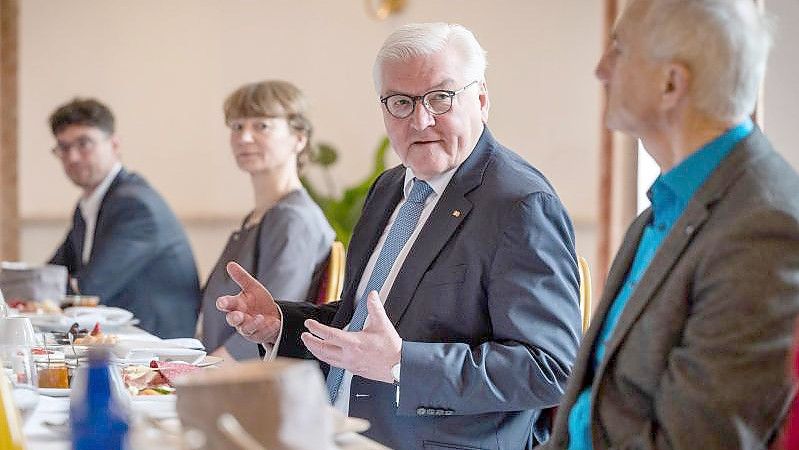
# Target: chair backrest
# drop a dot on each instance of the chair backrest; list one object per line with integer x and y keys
{"x": 585, "y": 291}
{"x": 332, "y": 281}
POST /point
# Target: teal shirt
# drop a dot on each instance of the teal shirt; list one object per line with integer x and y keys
{"x": 669, "y": 194}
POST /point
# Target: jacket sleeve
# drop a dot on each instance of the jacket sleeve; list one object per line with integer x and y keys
{"x": 532, "y": 303}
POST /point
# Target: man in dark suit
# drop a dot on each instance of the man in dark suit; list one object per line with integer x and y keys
{"x": 472, "y": 252}
{"x": 125, "y": 245}
{"x": 688, "y": 349}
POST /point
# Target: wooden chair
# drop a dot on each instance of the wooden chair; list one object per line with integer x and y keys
{"x": 332, "y": 282}
{"x": 585, "y": 292}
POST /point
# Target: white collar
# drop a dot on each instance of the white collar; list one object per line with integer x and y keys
{"x": 92, "y": 202}
{"x": 438, "y": 182}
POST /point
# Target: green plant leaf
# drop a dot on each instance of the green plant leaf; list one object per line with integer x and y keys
{"x": 343, "y": 213}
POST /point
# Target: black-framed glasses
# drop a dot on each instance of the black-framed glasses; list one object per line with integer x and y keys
{"x": 83, "y": 144}
{"x": 436, "y": 102}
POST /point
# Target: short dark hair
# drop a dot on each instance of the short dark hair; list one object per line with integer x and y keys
{"x": 82, "y": 111}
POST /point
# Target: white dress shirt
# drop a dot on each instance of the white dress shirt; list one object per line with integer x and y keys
{"x": 90, "y": 207}
{"x": 438, "y": 184}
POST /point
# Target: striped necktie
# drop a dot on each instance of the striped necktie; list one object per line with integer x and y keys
{"x": 398, "y": 235}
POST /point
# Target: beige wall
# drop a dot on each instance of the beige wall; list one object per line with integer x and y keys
{"x": 166, "y": 66}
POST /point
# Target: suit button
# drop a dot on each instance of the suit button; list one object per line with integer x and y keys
{"x": 420, "y": 411}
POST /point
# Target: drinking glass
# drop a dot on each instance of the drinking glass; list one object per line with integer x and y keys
{"x": 16, "y": 341}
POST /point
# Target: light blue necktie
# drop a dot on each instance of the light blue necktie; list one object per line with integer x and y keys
{"x": 398, "y": 235}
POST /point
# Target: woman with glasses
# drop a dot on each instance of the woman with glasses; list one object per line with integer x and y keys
{"x": 285, "y": 239}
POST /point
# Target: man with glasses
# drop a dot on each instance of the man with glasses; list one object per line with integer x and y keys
{"x": 473, "y": 255}
{"x": 125, "y": 245}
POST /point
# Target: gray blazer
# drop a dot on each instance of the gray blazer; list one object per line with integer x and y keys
{"x": 284, "y": 251}
{"x": 140, "y": 259}
{"x": 698, "y": 358}
{"x": 486, "y": 303}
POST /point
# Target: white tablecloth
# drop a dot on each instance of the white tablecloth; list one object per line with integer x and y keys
{"x": 56, "y": 410}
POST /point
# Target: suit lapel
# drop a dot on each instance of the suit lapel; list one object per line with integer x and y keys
{"x": 682, "y": 233}
{"x": 618, "y": 271}
{"x": 374, "y": 218}
{"x": 439, "y": 228}
{"x": 114, "y": 184}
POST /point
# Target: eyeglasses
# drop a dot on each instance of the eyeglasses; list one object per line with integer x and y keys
{"x": 257, "y": 126}
{"x": 83, "y": 144}
{"x": 436, "y": 102}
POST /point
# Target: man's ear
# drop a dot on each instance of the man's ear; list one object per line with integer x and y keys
{"x": 676, "y": 82}
{"x": 115, "y": 143}
{"x": 485, "y": 103}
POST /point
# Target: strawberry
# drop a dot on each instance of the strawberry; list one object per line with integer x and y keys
{"x": 96, "y": 331}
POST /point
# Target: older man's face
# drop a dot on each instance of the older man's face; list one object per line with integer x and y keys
{"x": 631, "y": 79}
{"x": 433, "y": 144}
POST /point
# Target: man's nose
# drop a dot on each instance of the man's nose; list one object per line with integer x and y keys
{"x": 71, "y": 154}
{"x": 602, "y": 71}
{"x": 421, "y": 118}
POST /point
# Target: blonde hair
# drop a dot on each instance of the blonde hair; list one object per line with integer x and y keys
{"x": 273, "y": 98}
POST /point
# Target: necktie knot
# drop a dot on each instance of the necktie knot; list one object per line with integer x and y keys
{"x": 420, "y": 191}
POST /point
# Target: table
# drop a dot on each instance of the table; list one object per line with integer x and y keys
{"x": 56, "y": 410}
{"x": 151, "y": 420}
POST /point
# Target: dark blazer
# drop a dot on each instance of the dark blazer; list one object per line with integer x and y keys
{"x": 698, "y": 359}
{"x": 486, "y": 304}
{"x": 140, "y": 259}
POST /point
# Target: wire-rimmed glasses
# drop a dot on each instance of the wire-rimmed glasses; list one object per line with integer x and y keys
{"x": 436, "y": 102}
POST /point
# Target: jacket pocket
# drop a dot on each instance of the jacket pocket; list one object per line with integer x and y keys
{"x": 444, "y": 275}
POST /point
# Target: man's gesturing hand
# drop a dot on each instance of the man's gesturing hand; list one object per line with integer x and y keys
{"x": 252, "y": 311}
{"x": 369, "y": 353}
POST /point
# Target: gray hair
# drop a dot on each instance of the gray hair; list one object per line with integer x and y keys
{"x": 425, "y": 39}
{"x": 724, "y": 44}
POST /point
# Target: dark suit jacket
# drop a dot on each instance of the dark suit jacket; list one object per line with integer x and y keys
{"x": 486, "y": 304}
{"x": 140, "y": 259}
{"x": 698, "y": 357}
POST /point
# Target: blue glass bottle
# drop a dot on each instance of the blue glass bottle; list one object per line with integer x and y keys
{"x": 97, "y": 419}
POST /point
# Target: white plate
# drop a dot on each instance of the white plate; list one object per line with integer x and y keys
{"x": 55, "y": 392}
{"x": 153, "y": 398}
{"x": 107, "y": 316}
{"x": 209, "y": 360}
{"x": 166, "y": 354}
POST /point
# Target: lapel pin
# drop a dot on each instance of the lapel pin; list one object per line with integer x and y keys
{"x": 456, "y": 213}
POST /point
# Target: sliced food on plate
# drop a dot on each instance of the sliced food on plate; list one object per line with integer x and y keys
{"x": 156, "y": 379}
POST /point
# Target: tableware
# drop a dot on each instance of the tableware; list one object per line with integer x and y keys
{"x": 209, "y": 360}
{"x": 166, "y": 354}
{"x": 19, "y": 367}
{"x": 106, "y": 316}
{"x": 54, "y": 376}
{"x": 55, "y": 392}
{"x": 16, "y": 331}
{"x": 80, "y": 300}
{"x": 3, "y": 306}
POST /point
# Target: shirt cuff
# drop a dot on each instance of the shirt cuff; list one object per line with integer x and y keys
{"x": 272, "y": 349}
